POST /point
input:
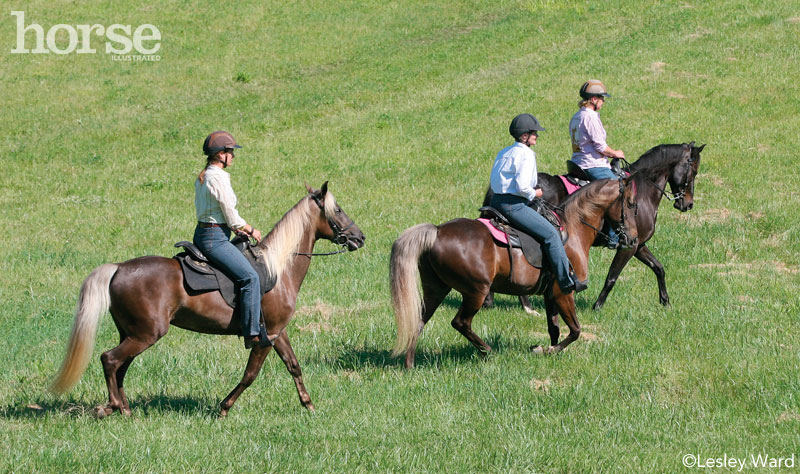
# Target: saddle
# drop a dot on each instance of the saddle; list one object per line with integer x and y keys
{"x": 515, "y": 238}
{"x": 201, "y": 276}
{"x": 576, "y": 178}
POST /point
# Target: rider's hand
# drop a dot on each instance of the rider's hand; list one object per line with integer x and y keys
{"x": 256, "y": 234}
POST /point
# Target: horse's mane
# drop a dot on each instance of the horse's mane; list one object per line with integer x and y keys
{"x": 583, "y": 204}
{"x": 283, "y": 241}
{"x": 657, "y": 160}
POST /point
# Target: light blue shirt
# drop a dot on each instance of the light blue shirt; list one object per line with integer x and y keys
{"x": 514, "y": 171}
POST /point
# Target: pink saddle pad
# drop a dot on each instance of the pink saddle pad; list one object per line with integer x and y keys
{"x": 497, "y": 234}
{"x": 571, "y": 188}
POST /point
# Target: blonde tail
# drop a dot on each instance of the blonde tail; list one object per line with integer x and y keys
{"x": 93, "y": 302}
{"x": 406, "y": 298}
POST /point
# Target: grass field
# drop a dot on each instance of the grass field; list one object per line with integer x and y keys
{"x": 402, "y": 106}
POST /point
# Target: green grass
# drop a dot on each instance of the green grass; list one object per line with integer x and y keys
{"x": 402, "y": 106}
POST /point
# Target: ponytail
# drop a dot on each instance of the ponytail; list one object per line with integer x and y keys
{"x": 209, "y": 159}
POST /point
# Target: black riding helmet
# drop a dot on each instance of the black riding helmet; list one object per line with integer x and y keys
{"x": 524, "y": 123}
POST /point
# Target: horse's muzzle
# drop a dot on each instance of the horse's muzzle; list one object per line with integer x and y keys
{"x": 682, "y": 205}
{"x": 355, "y": 242}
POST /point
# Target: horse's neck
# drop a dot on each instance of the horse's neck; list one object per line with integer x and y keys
{"x": 296, "y": 271}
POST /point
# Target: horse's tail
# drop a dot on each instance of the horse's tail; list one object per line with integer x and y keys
{"x": 406, "y": 299}
{"x": 93, "y": 302}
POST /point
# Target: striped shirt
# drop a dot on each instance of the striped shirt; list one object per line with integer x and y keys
{"x": 588, "y": 139}
{"x": 214, "y": 199}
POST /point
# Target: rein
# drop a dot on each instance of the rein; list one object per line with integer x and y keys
{"x": 620, "y": 229}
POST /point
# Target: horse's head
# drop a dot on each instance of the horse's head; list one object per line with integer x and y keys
{"x": 333, "y": 223}
{"x": 623, "y": 211}
{"x": 681, "y": 179}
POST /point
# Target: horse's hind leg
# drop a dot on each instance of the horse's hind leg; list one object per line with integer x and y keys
{"x": 115, "y": 364}
{"x": 284, "y": 349}
{"x": 254, "y": 363}
{"x": 462, "y": 322}
{"x": 434, "y": 290}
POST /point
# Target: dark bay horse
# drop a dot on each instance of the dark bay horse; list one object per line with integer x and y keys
{"x": 676, "y": 164}
{"x": 462, "y": 255}
{"x": 146, "y": 295}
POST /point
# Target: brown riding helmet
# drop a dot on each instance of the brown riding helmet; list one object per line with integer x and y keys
{"x": 593, "y": 88}
{"x": 218, "y": 141}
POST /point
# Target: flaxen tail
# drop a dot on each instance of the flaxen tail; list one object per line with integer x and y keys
{"x": 93, "y": 302}
{"x": 404, "y": 274}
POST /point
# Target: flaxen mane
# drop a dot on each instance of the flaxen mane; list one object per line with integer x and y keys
{"x": 282, "y": 242}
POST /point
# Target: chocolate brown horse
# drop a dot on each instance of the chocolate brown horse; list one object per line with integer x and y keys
{"x": 462, "y": 255}
{"x": 146, "y": 295}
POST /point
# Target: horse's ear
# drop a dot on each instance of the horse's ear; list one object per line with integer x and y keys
{"x": 691, "y": 144}
{"x": 324, "y": 190}
{"x": 700, "y": 148}
{"x": 309, "y": 188}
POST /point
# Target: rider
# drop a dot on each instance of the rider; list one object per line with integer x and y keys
{"x": 215, "y": 204}
{"x": 589, "y": 148}
{"x": 513, "y": 182}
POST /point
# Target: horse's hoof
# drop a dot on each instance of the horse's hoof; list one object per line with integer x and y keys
{"x": 102, "y": 411}
{"x": 310, "y": 407}
{"x": 532, "y": 312}
{"x": 538, "y": 350}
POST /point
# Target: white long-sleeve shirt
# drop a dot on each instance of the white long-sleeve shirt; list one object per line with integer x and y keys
{"x": 214, "y": 199}
{"x": 514, "y": 171}
{"x": 588, "y": 138}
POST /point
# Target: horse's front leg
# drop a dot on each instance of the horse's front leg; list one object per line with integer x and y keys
{"x": 621, "y": 259}
{"x": 284, "y": 349}
{"x": 566, "y": 307}
{"x": 254, "y": 363}
{"x": 645, "y": 256}
{"x": 552, "y": 324}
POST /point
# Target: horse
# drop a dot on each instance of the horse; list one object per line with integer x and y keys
{"x": 462, "y": 255}
{"x": 676, "y": 164}
{"x": 146, "y": 295}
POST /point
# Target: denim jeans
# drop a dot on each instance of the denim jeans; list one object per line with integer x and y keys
{"x": 215, "y": 243}
{"x": 605, "y": 173}
{"x": 516, "y": 210}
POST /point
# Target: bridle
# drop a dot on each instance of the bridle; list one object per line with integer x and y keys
{"x": 339, "y": 236}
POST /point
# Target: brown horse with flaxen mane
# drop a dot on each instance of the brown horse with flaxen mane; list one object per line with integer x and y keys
{"x": 462, "y": 255}
{"x": 146, "y": 295}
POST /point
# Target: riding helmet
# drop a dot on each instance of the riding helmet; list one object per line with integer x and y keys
{"x": 593, "y": 88}
{"x": 218, "y": 141}
{"x": 523, "y": 123}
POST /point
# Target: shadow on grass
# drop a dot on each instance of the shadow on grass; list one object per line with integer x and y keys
{"x": 457, "y": 353}
{"x": 28, "y": 409}
{"x": 583, "y": 302}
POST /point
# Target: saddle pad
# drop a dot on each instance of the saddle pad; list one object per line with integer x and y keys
{"x": 530, "y": 247}
{"x": 571, "y": 188}
{"x": 497, "y": 234}
{"x": 202, "y": 277}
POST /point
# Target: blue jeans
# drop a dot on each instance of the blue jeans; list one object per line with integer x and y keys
{"x": 215, "y": 243}
{"x": 605, "y": 173}
{"x": 516, "y": 210}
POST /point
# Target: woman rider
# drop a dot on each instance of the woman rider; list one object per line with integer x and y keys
{"x": 215, "y": 203}
{"x": 589, "y": 148}
{"x": 513, "y": 182}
